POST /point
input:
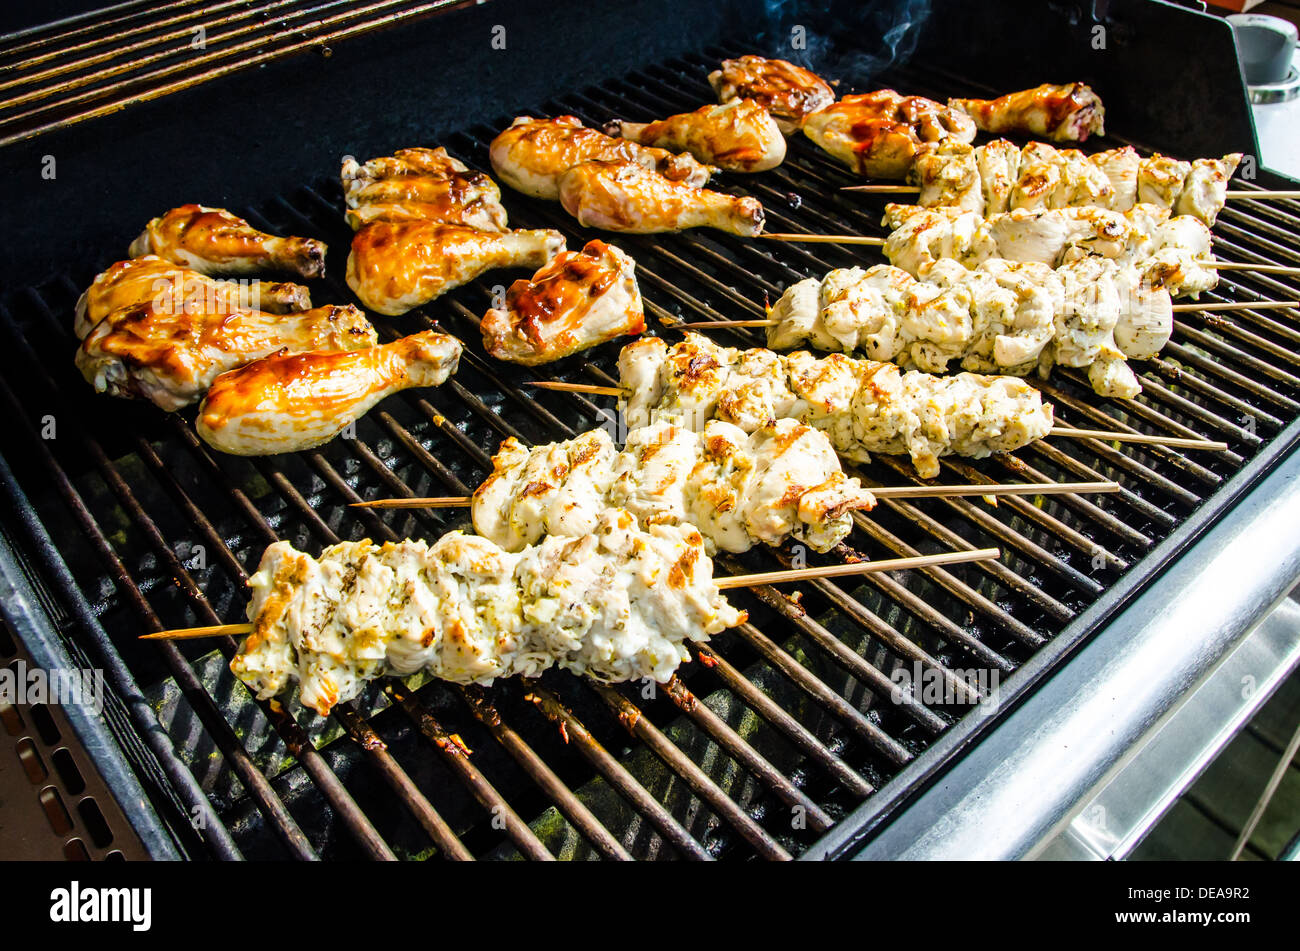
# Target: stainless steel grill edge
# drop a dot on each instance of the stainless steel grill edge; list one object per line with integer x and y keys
{"x": 781, "y": 738}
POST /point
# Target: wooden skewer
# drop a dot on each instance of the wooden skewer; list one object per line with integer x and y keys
{"x": 725, "y": 583}
{"x": 1178, "y": 441}
{"x": 577, "y": 388}
{"x": 713, "y": 324}
{"x": 883, "y": 189}
{"x": 1247, "y": 266}
{"x": 827, "y": 239}
{"x": 914, "y": 189}
{"x": 1239, "y": 305}
{"x": 881, "y": 492}
{"x": 1177, "y": 308}
{"x": 184, "y": 633}
{"x": 1262, "y": 193}
{"x": 859, "y": 568}
{"x": 427, "y": 502}
{"x": 990, "y": 488}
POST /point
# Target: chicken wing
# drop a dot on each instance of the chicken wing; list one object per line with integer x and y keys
{"x": 170, "y": 356}
{"x": 397, "y": 265}
{"x": 626, "y": 197}
{"x": 737, "y": 136}
{"x": 879, "y": 134}
{"x": 293, "y": 401}
{"x": 213, "y": 241}
{"x": 580, "y": 299}
{"x": 151, "y": 278}
{"x": 532, "y": 154}
{"x": 1068, "y": 113}
{"x": 420, "y": 184}
{"x": 788, "y": 92}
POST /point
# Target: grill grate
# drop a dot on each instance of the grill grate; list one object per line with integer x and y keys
{"x": 117, "y": 58}
{"x": 780, "y": 727}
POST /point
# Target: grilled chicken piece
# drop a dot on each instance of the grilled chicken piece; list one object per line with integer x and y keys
{"x": 1205, "y": 190}
{"x": 789, "y": 92}
{"x": 150, "y": 278}
{"x": 1068, "y": 113}
{"x": 420, "y": 184}
{"x": 626, "y": 197}
{"x": 171, "y": 356}
{"x": 397, "y": 265}
{"x": 879, "y": 134}
{"x": 999, "y": 170}
{"x": 1160, "y": 180}
{"x": 293, "y": 401}
{"x": 737, "y": 136}
{"x": 1120, "y": 166}
{"x": 580, "y": 299}
{"x": 213, "y": 241}
{"x": 1059, "y": 178}
{"x": 533, "y": 154}
{"x": 949, "y": 175}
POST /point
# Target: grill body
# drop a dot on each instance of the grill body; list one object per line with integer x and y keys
{"x": 786, "y": 737}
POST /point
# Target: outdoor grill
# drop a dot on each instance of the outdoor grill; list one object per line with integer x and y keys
{"x": 787, "y": 737}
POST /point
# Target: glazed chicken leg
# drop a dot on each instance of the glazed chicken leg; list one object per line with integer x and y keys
{"x": 289, "y": 402}
{"x": 150, "y": 278}
{"x": 1068, "y": 113}
{"x": 532, "y": 154}
{"x": 624, "y": 196}
{"x": 788, "y": 92}
{"x": 170, "y": 356}
{"x": 421, "y": 184}
{"x": 397, "y": 265}
{"x": 213, "y": 241}
{"x": 579, "y": 300}
{"x": 880, "y": 134}
{"x": 738, "y": 136}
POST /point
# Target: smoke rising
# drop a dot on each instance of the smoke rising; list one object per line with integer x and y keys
{"x": 852, "y": 42}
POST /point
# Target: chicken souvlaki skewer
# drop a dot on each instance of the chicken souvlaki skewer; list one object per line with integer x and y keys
{"x": 1003, "y": 176}
{"x": 619, "y": 603}
{"x": 1003, "y": 317}
{"x": 863, "y": 406}
{"x": 1171, "y": 252}
{"x": 784, "y": 480}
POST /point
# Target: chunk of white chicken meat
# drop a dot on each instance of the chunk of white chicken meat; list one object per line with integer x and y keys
{"x": 948, "y": 174}
{"x": 616, "y": 604}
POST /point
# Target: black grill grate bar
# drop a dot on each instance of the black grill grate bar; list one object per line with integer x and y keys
{"x": 420, "y": 808}
{"x": 61, "y": 31}
{"x": 617, "y": 775}
{"x": 640, "y": 727}
{"x": 101, "y": 62}
{"x": 187, "y": 681}
{"x": 803, "y": 738}
{"x": 222, "y": 59}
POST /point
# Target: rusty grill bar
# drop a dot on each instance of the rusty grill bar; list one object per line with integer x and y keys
{"x": 119, "y": 59}
{"x": 777, "y": 729}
